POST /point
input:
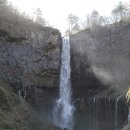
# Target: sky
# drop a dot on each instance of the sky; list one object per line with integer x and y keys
{"x": 56, "y": 11}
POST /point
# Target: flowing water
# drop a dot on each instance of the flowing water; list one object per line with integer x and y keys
{"x": 92, "y": 113}
{"x": 101, "y": 113}
{"x": 116, "y": 114}
{"x": 63, "y": 111}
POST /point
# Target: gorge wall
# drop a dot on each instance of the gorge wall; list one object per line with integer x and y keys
{"x": 100, "y": 76}
{"x": 29, "y": 71}
{"x": 34, "y": 60}
{"x": 100, "y": 58}
{"x": 30, "y": 57}
{"x": 30, "y": 60}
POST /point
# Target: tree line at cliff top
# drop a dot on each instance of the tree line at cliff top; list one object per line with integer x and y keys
{"x": 121, "y": 13}
{"x": 9, "y": 12}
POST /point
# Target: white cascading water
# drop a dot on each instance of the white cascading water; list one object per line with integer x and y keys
{"x": 63, "y": 111}
{"x": 116, "y": 113}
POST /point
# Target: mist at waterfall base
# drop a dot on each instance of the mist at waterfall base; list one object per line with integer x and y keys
{"x": 64, "y": 109}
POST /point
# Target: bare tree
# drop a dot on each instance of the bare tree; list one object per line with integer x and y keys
{"x": 3, "y": 3}
{"x": 102, "y": 21}
{"x": 95, "y": 17}
{"x": 39, "y": 18}
{"x": 73, "y": 21}
{"x": 3, "y": 6}
{"x": 120, "y": 12}
{"x": 87, "y": 22}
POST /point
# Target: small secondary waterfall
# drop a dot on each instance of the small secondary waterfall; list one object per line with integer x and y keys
{"x": 63, "y": 111}
{"x": 116, "y": 113}
{"x": 100, "y": 113}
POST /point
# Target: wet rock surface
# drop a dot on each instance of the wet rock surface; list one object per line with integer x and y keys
{"x": 100, "y": 55}
{"x": 101, "y": 113}
{"x": 83, "y": 81}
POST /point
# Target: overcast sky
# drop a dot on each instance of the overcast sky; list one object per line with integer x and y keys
{"x": 56, "y": 11}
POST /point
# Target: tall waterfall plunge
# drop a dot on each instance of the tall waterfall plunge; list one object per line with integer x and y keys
{"x": 63, "y": 111}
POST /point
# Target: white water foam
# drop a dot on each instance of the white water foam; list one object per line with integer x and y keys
{"x": 64, "y": 109}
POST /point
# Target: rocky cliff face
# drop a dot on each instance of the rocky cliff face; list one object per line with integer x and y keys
{"x": 83, "y": 80}
{"x": 104, "y": 53}
{"x": 30, "y": 61}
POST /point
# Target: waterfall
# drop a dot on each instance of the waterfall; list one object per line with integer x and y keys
{"x": 63, "y": 111}
{"x": 116, "y": 113}
{"x": 94, "y": 113}
{"x": 100, "y": 113}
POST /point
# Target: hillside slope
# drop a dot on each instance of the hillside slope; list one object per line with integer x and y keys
{"x": 17, "y": 114}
